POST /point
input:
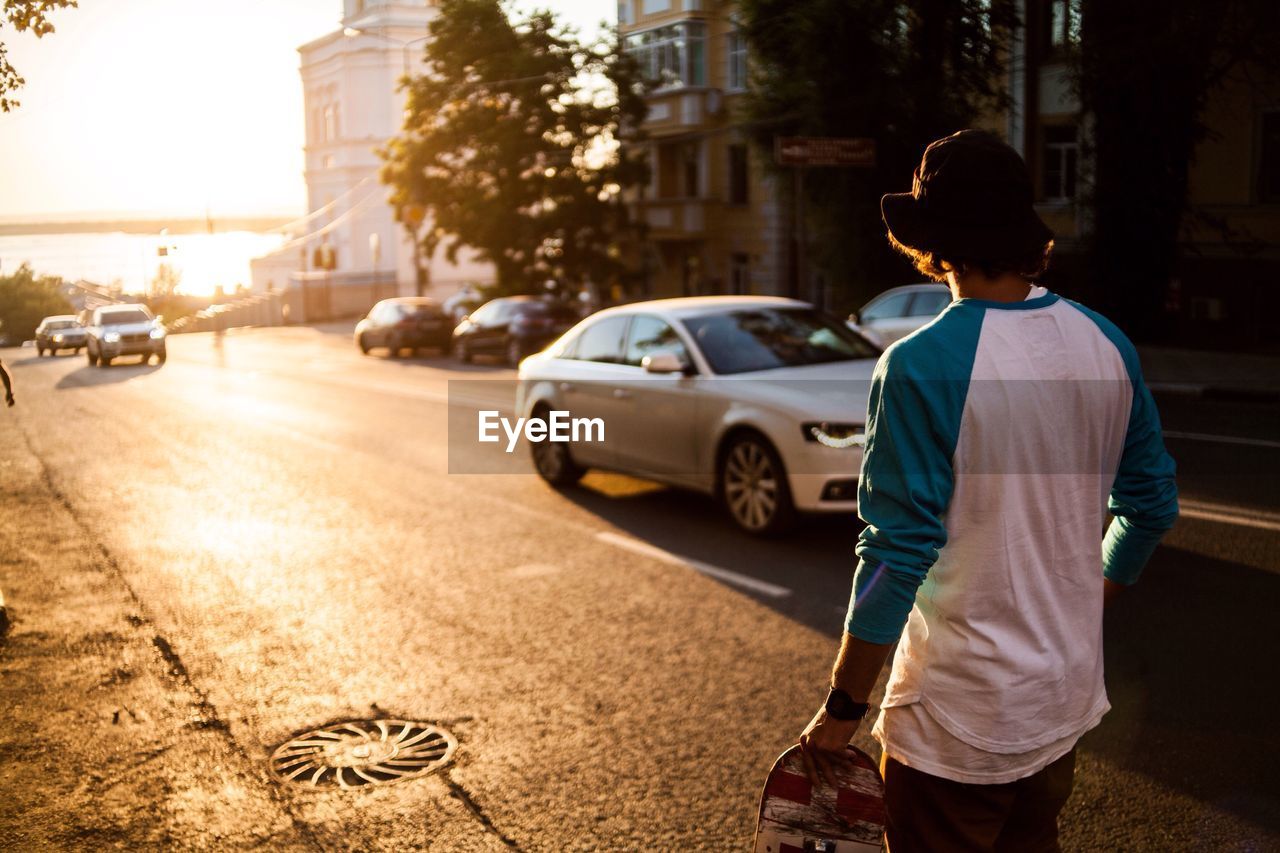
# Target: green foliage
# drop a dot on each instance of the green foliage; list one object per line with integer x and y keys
{"x": 25, "y": 16}
{"x": 901, "y": 73}
{"x": 1146, "y": 72}
{"x": 25, "y": 300}
{"x": 510, "y": 147}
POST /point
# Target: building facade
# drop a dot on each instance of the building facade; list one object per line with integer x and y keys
{"x": 715, "y": 221}
{"x": 1225, "y": 289}
{"x": 348, "y": 251}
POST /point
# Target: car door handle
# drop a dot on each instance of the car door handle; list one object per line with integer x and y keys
{"x": 620, "y": 394}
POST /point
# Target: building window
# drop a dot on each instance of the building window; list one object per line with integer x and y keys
{"x": 674, "y": 56}
{"x": 330, "y": 124}
{"x": 1061, "y": 153}
{"x": 739, "y": 274}
{"x": 650, "y": 7}
{"x": 690, "y": 155}
{"x": 1063, "y": 22}
{"x": 739, "y": 178}
{"x": 1269, "y": 159}
{"x": 736, "y": 52}
{"x": 624, "y": 13}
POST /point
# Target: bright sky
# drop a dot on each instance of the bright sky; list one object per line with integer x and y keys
{"x": 166, "y": 106}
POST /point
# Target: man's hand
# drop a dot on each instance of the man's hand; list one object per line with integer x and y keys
{"x": 822, "y": 746}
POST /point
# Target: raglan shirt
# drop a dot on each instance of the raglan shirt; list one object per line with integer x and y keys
{"x": 998, "y": 438}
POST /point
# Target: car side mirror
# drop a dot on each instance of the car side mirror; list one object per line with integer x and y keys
{"x": 662, "y": 362}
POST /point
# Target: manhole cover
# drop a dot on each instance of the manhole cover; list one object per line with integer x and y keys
{"x": 365, "y": 752}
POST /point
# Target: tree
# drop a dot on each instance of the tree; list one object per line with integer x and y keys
{"x": 25, "y": 16}
{"x": 166, "y": 282}
{"x": 25, "y": 300}
{"x": 510, "y": 147}
{"x": 904, "y": 74}
{"x": 1146, "y": 72}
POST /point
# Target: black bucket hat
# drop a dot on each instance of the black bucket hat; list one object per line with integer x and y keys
{"x": 971, "y": 197}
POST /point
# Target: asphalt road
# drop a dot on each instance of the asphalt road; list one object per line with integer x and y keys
{"x": 620, "y": 666}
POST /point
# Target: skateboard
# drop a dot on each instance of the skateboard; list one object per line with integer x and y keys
{"x": 797, "y": 817}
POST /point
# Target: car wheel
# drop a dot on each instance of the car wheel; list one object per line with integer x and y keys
{"x": 515, "y": 352}
{"x": 104, "y": 361}
{"x": 553, "y": 460}
{"x": 93, "y": 359}
{"x": 364, "y": 345}
{"x": 461, "y": 352}
{"x": 393, "y": 347}
{"x": 753, "y": 486}
{"x": 161, "y": 356}
{"x": 39, "y": 352}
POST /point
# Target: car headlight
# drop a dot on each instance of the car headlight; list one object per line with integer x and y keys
{"x": 57, "y": 339}
{"x": 157, "y": 334}
{"x": 112, "y": 337}
{"x": 838, "y": 435}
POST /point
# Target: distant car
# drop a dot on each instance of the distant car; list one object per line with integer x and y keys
{"x": 759, "y": 401}
{"x": 512, "y": 327}
{"x": 61, "y": 331}
{"x": 899, "y": 311}
{"x": 116, "y": 330}
{"x": 406, "y": 322}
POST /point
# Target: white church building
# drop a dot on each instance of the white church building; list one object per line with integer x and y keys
{"x": 349, "y": 251}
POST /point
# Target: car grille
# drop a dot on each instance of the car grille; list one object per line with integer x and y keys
{"x": 135, "y": 338}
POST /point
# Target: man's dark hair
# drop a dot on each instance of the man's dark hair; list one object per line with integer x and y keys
{"x": 1029, "y": 264}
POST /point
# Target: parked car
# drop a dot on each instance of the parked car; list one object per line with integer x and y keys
{"x": 406, "y": 322}
{"x": 512, "y": 327}
{"x": 61, "y": 331}
{"x": 759, "y": 401}
{"x": 116, "y": 330}
{"x": 899, "y": 311}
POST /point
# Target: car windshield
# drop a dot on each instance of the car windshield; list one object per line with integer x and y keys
{"x": 119, "y": 318}
{"x": 768, "y": 338}
{"x": 54, "y": 325}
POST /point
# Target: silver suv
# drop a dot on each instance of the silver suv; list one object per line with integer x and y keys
{"x": 115, "y": 330}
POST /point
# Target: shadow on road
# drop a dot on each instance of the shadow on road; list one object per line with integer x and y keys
{"x": 34, "y": 358}
{"x": 1191, "y": 672}
{"x": 87, "y": 377}
{"x": 815, "y": 560}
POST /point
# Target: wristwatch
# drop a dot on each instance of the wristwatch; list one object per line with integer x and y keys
{"x": 840, "y": 706}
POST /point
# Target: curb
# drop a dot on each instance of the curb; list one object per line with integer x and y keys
{"x": 1215, "y": 392}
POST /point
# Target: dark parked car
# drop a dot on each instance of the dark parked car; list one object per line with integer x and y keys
{"x": 512, "y": 327}
{"x": 406, "y": 322}
{"x": 61, "y": 331}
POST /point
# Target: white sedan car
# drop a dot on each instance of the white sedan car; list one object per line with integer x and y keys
{"x": 759, "y": 401}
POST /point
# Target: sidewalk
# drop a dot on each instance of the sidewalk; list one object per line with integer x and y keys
{"x": 104, "y": 741}
{"x": 1214, "y": 375}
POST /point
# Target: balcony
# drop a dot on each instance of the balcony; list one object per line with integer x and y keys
{"x": 680, "y": 111}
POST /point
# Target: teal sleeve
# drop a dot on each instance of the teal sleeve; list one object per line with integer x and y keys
{"x": 906, "y": 483}
{"x": 1144, "y": 496}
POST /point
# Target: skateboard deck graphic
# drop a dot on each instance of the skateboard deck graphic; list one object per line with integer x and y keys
{"x": 796, "y": 816}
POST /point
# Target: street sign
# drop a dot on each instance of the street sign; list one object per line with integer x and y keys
{"x": 824, "y": 151}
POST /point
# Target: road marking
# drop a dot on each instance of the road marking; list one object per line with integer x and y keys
{"x": 645, "y": 549}
{"x": 1229, "y": 515}
{"x": 1221, "y": 439}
